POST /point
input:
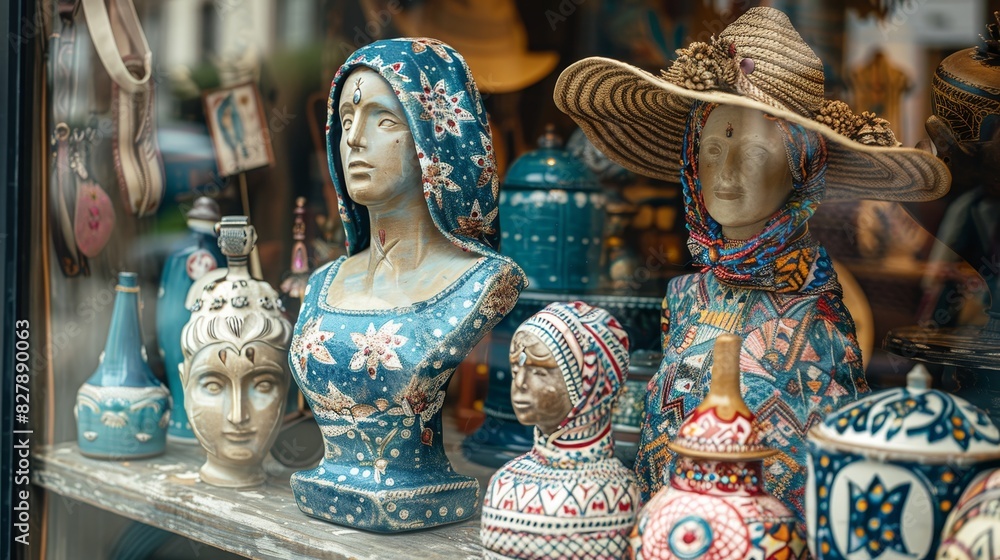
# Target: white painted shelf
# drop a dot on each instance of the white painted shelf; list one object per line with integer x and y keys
{"x": 260, "y": 522}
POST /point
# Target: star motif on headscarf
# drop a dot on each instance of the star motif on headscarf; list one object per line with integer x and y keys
{"x": 436, "y": 177}
{"x": 475, "y": 225}
{"x": 391, "y": 71}
{"x": 486, "y": 161}
{"x": 421, "y": 45}
{"x": 441, "y": 108}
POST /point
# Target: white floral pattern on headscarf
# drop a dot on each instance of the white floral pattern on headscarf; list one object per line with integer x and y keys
{"x": 452, "y": 135}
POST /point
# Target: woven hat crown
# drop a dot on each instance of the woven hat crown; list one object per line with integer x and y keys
{"x": 784, "y": 67}
{"x": 761, "y": 56}
{"x": 759, "y": 62}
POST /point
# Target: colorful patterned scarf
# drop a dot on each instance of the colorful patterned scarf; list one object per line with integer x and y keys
{"x": 783, "y": 257}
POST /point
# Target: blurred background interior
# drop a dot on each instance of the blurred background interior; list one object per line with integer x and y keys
{"x": 879, "y": 55}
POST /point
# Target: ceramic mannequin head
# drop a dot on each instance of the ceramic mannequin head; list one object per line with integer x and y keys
{"x": 537, "y": 388}
{"x": 757, "y": 158}
{"x": 376, "y": 145}
{"x": 569, "y": 362}
{"x": 445, "y": 148}
{"x": 235, "y": 371}
{"x": 743, "y": 167}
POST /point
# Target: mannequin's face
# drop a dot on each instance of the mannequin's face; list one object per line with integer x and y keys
{"x": 235, "y": 400}
{"x": 377, "y": 152}
{"x": 537, "y": 390}
{"x": 743, "y": 168}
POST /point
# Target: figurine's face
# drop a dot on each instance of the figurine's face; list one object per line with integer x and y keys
{"x": 537, "y": 390}
{"x": 235, "y": 401}
{"x": 743, "y": 168}
{"x": 377, "y": 152}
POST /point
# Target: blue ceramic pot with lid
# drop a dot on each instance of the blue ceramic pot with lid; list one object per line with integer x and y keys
{"x": 885, "y": 471}
{"x": 199, "y": 254}
{"x": 552, "y": 218}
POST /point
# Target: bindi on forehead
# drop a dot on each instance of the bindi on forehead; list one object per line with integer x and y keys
{"x": 356, "y": 98}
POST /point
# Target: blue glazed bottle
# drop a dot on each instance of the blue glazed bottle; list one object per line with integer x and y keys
{"x": 199, "y": 255}
{"x": 122, "y": 411}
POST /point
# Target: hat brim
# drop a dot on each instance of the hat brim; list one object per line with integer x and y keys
{"x": 501, "y": 72}
{"x": 638, "y": 120}
{"x": 513, "y": 72}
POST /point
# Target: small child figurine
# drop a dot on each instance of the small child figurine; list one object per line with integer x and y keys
{"x": 568, "y": 497}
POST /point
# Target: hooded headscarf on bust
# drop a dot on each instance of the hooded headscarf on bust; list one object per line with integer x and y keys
{"x": 448, "y": 122}
{"x": 591, "y": 348}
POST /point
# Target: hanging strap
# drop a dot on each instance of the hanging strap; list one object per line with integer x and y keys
{"x": 62, "y": 186}
{"x": 109, "y": 47}
{"x": 121, "y": 45}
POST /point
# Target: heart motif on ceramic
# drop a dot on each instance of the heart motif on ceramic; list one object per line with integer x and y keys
{"x": 95, "y": 218}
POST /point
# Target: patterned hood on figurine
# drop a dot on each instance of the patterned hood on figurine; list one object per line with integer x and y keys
{"x": 591, "y": 348}
{"x": 448, "y": 121}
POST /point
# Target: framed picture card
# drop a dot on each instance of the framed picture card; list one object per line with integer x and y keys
{"x": 239, "y": 131}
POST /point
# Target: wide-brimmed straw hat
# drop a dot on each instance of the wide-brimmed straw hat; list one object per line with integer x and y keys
{"x": 489, "y": 35}
{"x": 760, "y": 62}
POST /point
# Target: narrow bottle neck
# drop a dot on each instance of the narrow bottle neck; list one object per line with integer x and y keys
{"x": 238, "y": 268}
{"x": 123, "y": 363}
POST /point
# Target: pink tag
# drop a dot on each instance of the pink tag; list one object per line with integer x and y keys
{"x": 95, "y": 218}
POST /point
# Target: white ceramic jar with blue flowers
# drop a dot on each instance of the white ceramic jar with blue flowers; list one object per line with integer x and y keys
{"x": 885, "y": 471}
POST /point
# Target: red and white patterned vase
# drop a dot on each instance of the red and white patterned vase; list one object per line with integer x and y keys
{"x": 973, "y": 527}
{"x": 715, "y": 506}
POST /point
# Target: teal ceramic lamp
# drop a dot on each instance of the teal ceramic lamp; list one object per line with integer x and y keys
{"x": 122, "y": 411}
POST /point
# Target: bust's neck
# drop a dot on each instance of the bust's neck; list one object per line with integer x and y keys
{"x": 403, "y": 238}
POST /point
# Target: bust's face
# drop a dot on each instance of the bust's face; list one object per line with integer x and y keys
{"x": 743, "y": 168}
{"x": 537, "y": 389}
{"x": 235, "y": 400}
{"x": 377, "y": 152}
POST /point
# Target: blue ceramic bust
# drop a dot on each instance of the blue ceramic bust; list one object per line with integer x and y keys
{"x": 382, "y": 330}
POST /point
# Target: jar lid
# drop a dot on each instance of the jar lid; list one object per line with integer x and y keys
{"x": 912, "y": 423}
{"x": 550, "y": 167}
